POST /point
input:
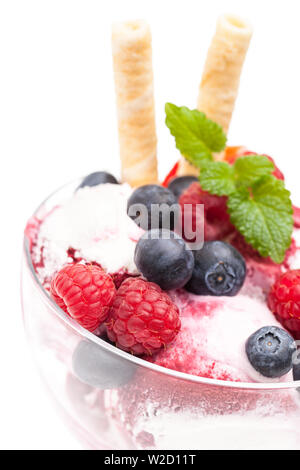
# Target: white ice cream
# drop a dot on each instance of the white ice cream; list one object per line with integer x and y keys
{"x": 94, "y": 222}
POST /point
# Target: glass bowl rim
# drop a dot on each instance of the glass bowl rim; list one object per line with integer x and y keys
{"x": 87, "y": 335}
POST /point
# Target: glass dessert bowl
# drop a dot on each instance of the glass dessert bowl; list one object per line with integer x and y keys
{"x": 114, "y": 400}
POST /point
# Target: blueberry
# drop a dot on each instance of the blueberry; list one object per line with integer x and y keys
{"x": 99, "y": 177}
{"x": 180, "y": 184}
{"x": 162, "y": 257}
{"x": 296, "y": 366}
{"x": 99, "y": 368}
{"x": 219, "y": 270}
{"x": 147, "y": 196}
{"x": 270, "y": 351}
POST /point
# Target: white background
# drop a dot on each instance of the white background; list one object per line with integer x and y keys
{"x": 57, "y": 122}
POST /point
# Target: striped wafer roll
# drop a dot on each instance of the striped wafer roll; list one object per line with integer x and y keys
{"x": 221, "y": 77}
{"x": 132, "y": 58}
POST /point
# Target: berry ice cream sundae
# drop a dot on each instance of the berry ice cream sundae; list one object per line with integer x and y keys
{"x": 207, "y": 286}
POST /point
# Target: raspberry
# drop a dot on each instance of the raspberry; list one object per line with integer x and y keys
{"x": 142, "y": 319}
{"x": 85, "y": 292}
{"x": 217, "y": 222}
{"x": 284, "y": 301}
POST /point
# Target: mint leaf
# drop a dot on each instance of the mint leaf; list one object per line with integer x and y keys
{"x": 196, "y": 136}
{"x": 218, "y": 178}
{"x": 264, "y": 216}
{"x": 222, "y": 179}
{"x": 251, "y": 167}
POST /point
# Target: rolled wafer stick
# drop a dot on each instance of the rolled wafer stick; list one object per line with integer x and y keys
{"x": 132, "y": 58}
{"x": 221, "y": 77}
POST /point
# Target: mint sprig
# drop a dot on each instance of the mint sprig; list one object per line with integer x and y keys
{"x": 259, "y": 205}
{"x": 196, "y": 136}
{"x": 223, "y": 179}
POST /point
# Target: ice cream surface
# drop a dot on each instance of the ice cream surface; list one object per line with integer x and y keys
{"x": 93, "y": 226}
{"x": 214, "y": 330}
